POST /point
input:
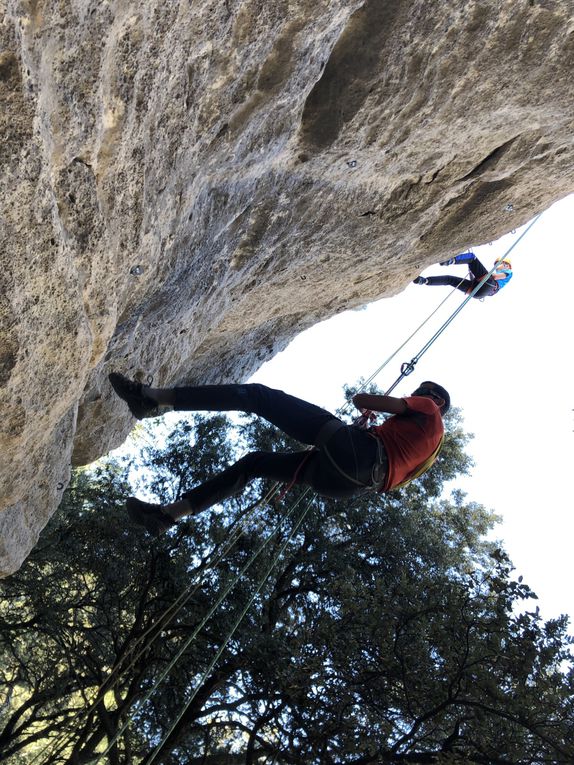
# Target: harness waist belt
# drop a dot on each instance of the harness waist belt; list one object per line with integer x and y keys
{"x": 379, "y": 469}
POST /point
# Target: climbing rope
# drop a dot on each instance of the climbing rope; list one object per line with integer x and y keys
{"x": 236, "y": 624}
{"x": 406, "y": 369}
{"x": 223, "y": 595}
{"x": 377, "y": 372}
{"x": 236, "y": 530}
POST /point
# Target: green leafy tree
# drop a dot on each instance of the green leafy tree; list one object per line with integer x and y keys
{"x": 382, "y": 630}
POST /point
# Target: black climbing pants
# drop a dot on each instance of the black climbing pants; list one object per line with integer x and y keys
{"x": 490, "y": 287}
{"x": 352, "y": 449}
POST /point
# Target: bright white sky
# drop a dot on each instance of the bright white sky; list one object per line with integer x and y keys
{"x": 506, "y": 362}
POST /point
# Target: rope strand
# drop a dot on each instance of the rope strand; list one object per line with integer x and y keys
{"x": 408, "y": 367}
{"x": 204, "y": 621}
{"x": 233, "y": 629}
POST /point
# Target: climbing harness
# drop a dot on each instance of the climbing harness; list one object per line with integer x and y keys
{"x": 293, "y": 481}
{"x": 379, "y": 469}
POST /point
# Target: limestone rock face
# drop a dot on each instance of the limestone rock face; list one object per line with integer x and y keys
{"x": 187, "y": 184}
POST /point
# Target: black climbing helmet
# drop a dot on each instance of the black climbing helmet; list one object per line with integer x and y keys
{"x": 428, "y": 386}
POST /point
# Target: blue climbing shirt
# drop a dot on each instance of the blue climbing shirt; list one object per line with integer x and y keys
{"x": 502, "y": 275}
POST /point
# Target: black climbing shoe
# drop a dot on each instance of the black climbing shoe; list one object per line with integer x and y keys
{"x": 420, "y": 280}
{"x": 448, "y": 262}
{"x": 151, "y": 517}
{"x": 140, "y": 405}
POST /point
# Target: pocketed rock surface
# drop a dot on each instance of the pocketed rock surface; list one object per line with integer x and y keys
{"x": 185, "y": 186}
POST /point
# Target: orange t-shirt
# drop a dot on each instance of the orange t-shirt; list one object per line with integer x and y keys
{"x": 410, "y": 438}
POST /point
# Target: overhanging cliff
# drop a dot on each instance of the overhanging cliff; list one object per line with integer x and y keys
{"x": 186, "y": 185}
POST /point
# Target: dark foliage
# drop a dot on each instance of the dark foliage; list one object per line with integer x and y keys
{"x": 383, "y": 630}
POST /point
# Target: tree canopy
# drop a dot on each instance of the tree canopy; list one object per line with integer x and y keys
{"x": 386, "y": 629}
